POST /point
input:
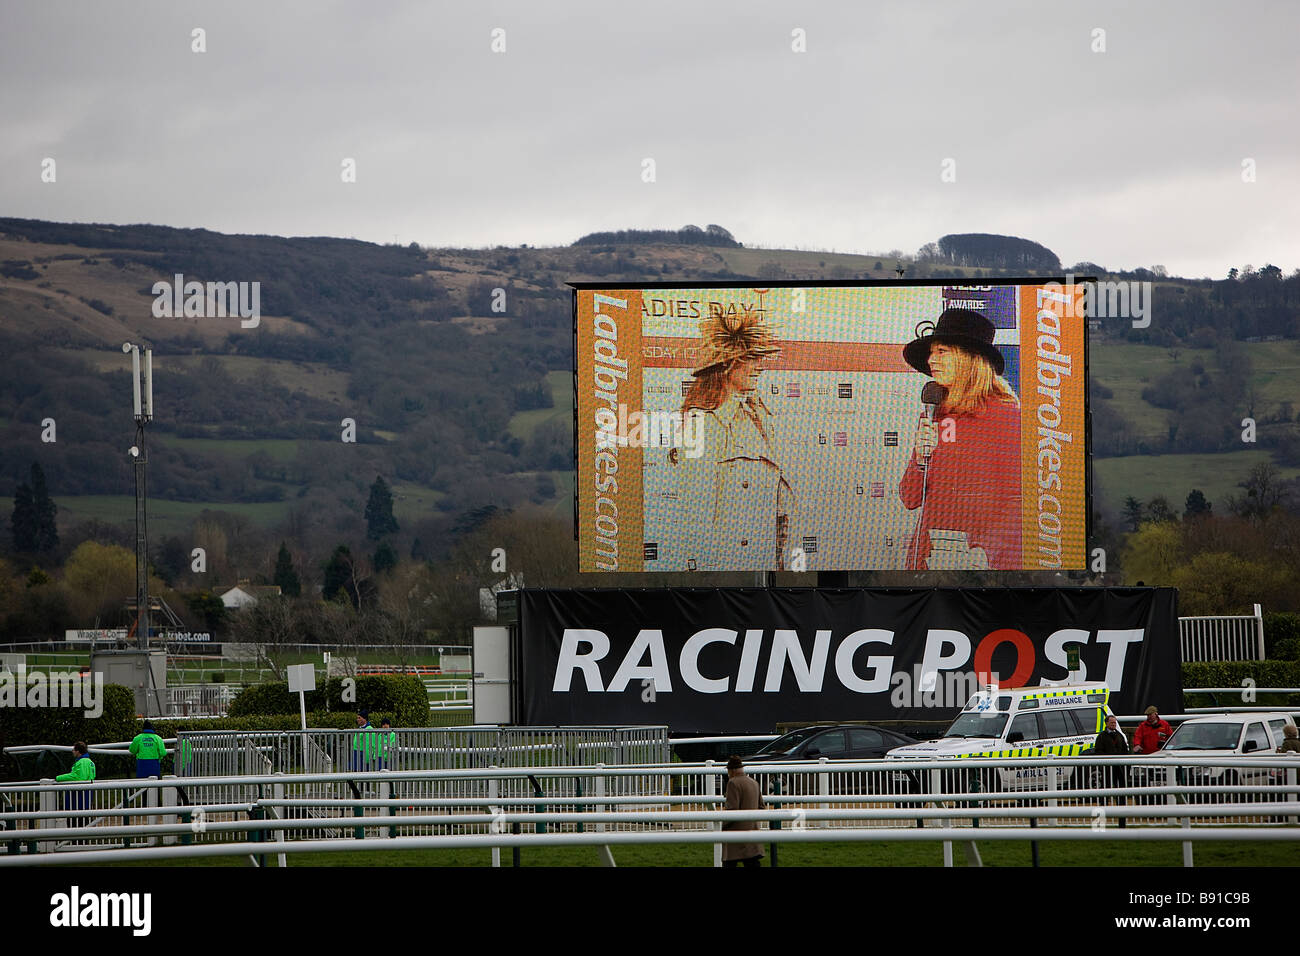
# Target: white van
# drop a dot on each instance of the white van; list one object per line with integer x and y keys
{"x": 1023, "y": 722}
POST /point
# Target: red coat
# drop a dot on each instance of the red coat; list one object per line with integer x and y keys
{"x": 1149, "y": 737}
{"x": 973, "y": 486}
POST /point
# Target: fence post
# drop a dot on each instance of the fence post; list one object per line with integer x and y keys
{"x": 1187, "y": 844}
{"x": 775, "y": 824}
{"x": 823, "y": 789}
{"x": 169, "y": 800}
{"x": 1051, "y": 788}
{"x": 1259, "y": 630}
{"x": 151, "y": 800}
{"x": 386, "y": 793}
{"x": 711, "y": 790}
{"x": 494, "y": 791}
{"x": 1291, "y": 797}
{"x": 48, "y": 802}
{"x": 277, "y": 793}
{"x": 603, "y": 851}
{"x": 601, "y": 790}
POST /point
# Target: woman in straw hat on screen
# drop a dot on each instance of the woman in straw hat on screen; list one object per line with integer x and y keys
{"x": 964, "y": 473}
{"x": 736, "y": 498}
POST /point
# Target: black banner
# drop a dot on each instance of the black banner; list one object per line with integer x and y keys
{"x": 740, "y": 660}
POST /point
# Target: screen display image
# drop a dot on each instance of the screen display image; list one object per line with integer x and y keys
{"x": 818, "y": 428}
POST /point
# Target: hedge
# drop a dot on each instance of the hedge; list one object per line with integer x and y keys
{"x": 1232, "y": 673}
{"x": 66, "y": 725}
{"x": 1282, "y": 635}
{"x": 401, "y": 696}
{"x": 22, "y": 726}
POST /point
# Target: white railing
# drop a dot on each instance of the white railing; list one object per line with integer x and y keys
{"x": 1180, "y": 799}
{"x": 200, "y": 700}
{"x": 1222, "y": 637}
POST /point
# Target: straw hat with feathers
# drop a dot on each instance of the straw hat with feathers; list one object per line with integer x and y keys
{"x": 731, "y": 337}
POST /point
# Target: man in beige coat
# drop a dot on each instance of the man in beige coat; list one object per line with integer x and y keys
{"x": 742, "y": 794}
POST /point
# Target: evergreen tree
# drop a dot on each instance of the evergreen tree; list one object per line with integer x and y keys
{"x": 23, "y": 520}
{"x": 379, "y": 511}
{"x": 385, "y": 558}
{"x": 1133, "y": 513}
{"x": 338, "y": 573}
{"x": 285, "y": 576}
{"x": 47, "y": 531}
{"x": 1196, "y": 504}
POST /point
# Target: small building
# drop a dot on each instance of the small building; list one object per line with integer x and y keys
{"x": 244, "y": 594}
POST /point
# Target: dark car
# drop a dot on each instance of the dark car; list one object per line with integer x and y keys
{"x": 834, "y": 742}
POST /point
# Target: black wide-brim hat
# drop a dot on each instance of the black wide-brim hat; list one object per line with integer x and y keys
{"x": 963, "y": 328}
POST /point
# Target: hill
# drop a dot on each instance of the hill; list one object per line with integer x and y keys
{"x": 462, "y": 398}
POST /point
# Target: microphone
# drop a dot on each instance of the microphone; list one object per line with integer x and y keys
{"x": 932, "y": 396}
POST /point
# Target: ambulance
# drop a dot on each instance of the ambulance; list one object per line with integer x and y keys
{"x": 1029, "y": 722}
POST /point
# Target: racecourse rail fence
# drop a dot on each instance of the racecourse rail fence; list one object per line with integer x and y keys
{"x": 1178, "y": 799}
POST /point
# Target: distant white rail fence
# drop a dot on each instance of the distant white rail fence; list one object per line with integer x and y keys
{"x": 1182, "y": 800}
{"x": 229, "y": 752}
{"x": 1223, "y": 638}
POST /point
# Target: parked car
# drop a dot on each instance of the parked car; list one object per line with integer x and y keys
{"x": 1229, "y": 735}
{"x": 834, "y": 742}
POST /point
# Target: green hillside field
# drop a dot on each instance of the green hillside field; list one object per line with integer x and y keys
{"x": 523, "y": 424}
{"x": 1145, "y": 476}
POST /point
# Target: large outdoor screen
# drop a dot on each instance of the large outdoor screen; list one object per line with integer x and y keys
{"x": 835, "y": 427}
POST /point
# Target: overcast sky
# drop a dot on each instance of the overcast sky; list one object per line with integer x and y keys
{"x": 1128, "y": 157}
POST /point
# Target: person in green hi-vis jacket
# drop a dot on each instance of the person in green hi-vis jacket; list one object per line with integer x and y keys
{"x": 185, "y": 757}
{"x": 387, "y": 743}
{"x": 365, "y": 744}
{"x": 83, "y": 771}
{"x": 148, "y": 749}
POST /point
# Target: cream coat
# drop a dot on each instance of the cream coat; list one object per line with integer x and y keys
{"x": 734, "y": 493}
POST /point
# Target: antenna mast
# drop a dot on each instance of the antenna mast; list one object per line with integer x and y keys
{"x": 143, "y": 413}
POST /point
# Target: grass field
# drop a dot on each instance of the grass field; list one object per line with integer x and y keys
{"x": 1101, "y": 853}
{"x": 165, "y": 517}
{"x": 412, "y": 502}
{"x": 523, "y": 424}
{"x": 279, "y": 449}
{"x": 1127, "y": 369}
{"x": 312, "y": 378}
{"x": 1144, "y": 476}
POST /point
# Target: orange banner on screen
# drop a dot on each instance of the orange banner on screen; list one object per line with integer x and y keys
{"x": 663, "y": 352}
{"x": 1053, "y": 438}
{"x": 610, "y": 498}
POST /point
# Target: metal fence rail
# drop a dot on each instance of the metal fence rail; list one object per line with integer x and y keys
{"x": 1222, "y": 637}
{"x": 210, "y": 753}
{"x": 200, "y": 700}
{"x": 852, "y": 800}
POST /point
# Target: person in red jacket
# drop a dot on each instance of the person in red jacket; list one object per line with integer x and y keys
{"x": 1151, "y": 733}
{"x": 964, "y": 473}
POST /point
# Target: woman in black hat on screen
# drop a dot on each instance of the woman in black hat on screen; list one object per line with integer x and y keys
{"x": 964, "y": 472}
